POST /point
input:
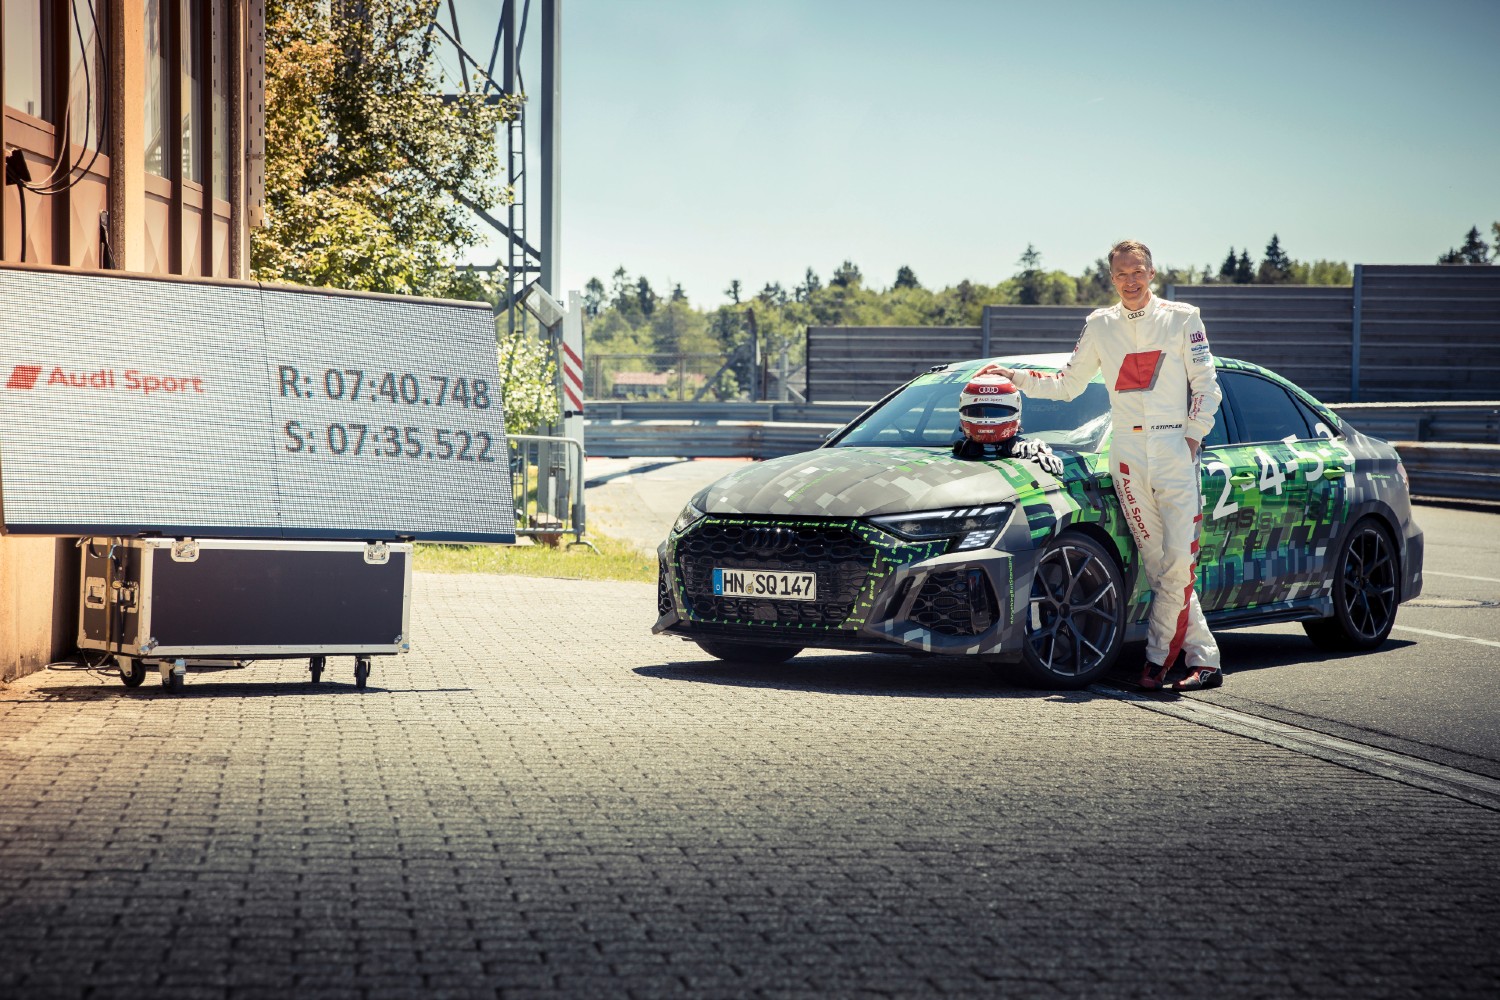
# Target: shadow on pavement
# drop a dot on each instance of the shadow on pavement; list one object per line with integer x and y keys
{"x": 864, "y": 674}
{"x": 1243, "y": 652}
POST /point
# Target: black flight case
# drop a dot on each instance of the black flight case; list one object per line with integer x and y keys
{"x": 168, "y": 603}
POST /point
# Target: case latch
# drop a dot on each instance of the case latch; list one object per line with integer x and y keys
{"x": 377, "y": 553}
{"x": 94, "y": 593}
{"x": 185, "y": 550}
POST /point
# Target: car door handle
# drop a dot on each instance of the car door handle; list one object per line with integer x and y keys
{"x": 1333, "y": 472}
{"x": 1242, "y": 477}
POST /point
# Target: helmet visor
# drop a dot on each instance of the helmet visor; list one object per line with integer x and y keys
{"x": 988, "y": 411}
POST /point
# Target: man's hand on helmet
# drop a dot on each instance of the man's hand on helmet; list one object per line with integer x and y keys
{"x": 997, "y": 369}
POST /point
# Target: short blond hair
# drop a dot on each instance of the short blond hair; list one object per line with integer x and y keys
{"x": 1131, "y": 246}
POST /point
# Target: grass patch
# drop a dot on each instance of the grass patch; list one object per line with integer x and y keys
{"x": 615, "y": 560}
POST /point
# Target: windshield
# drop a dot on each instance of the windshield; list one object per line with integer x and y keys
{"x": 925, "y": 414}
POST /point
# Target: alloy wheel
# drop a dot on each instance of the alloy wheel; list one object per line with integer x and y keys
{"x": 1074, "y": 617}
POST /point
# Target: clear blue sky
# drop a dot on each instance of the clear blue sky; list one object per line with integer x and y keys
{"x": 706, "y": 140}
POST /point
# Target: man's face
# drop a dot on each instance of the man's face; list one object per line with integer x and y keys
{"x": 1132, "y": 277}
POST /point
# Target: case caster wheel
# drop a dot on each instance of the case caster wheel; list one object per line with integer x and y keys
{"x": 316, "y": 665}
{"x": 132, "y": 672}
{"x": 173, "y": 675}
{"x": 361, "y": 671}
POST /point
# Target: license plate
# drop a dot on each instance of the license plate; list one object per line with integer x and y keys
{"x": 754, "y": 583}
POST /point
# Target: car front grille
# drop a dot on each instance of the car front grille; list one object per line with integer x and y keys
{"x": 955, "y": 602}
{"x": 833, "y": 550}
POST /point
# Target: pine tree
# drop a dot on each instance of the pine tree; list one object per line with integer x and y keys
{"x": 846, "y": 276}
{"x": 1226, "y": 269}
{"x": 645, "y": 297}
{"x": 1244, "y": 271}
{"x": 1276, "y": 268}
{"x": 906, "y": 278}
{"x": 1474, "y": 250}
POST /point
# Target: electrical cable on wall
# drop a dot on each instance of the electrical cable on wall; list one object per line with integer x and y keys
{"x": 60, "y": 180}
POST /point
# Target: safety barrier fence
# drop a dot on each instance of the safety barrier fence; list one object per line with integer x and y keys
{"x": 1398, "y": 333}
{"x": 1451, "y": 450}
{"x": 547, "y": 482}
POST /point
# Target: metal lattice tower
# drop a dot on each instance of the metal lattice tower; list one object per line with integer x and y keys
{"x": 522, "y": 262}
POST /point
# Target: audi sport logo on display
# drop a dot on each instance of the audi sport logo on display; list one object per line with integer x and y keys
{"x": 984, "y": 387}
{"x": 23, "y": 376}
{"x": 131, "y": 380}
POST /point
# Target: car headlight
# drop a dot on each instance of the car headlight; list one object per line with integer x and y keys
{"x": 973, "y": 527}
{"x": 691, "y": 514}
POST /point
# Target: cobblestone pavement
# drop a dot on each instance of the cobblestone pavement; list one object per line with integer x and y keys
{"x": 543, "y": 799}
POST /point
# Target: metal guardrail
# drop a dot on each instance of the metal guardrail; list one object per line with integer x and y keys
{"x": 1452, "y": 471}
{"x": 1473, "y": 423}
{"x": 1464, "y": 465}
{"x": 547, "y": 482}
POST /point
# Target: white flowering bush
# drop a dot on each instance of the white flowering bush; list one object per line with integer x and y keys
{"x": 528, "y": 382}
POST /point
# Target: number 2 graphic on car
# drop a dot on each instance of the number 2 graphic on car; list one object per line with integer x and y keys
{"x": 1225, "y": 506}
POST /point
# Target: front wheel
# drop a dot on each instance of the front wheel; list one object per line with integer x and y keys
{"x": 1075, "y": 621}
{"x": 748, "y": 652}
{"x": 1366, "y": 591}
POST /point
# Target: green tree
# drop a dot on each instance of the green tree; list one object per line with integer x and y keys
{"x": 1030, "y": 276}
{"x": 906, "y": 278}
{"x": 846, "y": 275}
{"x": 645, "y": 298}
{"x": 1474, "y": 250}
{"x": 1227, "y": 269}
{"x": 1094, "y": 286}
{"x": 1276, "y": 267}
{"x": 370, "y": 176}
{"x": 593, "y": 297}
{"x": 810, "y": 284}
{"x": 527, "y": 382}
{"x": 734, "y": 291}
{"x": 1244, "y": 270}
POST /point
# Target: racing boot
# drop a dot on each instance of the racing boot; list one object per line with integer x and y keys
{"x": 1153, "y": 676}
{"x": 1199, "y": 678}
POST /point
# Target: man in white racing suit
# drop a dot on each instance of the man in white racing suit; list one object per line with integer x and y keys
{"x": 1163, "y": 394}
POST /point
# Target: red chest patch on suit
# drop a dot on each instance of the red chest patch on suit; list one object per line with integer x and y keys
{"x": 1138, "y": 371}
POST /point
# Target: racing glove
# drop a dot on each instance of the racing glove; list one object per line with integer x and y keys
{"x": 1038, "y": 452}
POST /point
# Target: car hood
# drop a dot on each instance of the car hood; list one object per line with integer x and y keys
{"x": 857, "y": 482}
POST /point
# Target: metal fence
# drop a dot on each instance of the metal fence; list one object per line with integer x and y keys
{"x": 547, "y": 482}
{"x": 658, "y": 376}
{"x": 1398, "y": 334}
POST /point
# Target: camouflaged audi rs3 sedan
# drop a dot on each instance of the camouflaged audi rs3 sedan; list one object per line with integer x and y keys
{"x": 883, "y": 540}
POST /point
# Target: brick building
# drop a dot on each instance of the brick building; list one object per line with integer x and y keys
{"x": 133, "y": 140}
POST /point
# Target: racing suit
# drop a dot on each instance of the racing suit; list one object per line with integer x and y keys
{"x": 1162, "y": 390}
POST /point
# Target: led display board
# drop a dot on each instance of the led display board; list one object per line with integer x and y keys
{"x": 131, "y": 405}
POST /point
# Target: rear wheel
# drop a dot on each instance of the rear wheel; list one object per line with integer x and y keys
{"x": 1075, "y": 619}
{"x": 1366, "y": 591}
{"x": 747, "y": 652}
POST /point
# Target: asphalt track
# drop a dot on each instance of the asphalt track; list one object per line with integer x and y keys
{"x": 1432, "y": 693}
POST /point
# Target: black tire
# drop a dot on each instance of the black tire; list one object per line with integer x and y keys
{"x": 361, "y": 672}
{"x": 175, "y": 682}
{"x": 1075, "y": 618}
{"x": 747, "y": 652}
{"x": 132, "y": 672}
{"x": 316, "y": 665}
{"x": 1366, "y": 591}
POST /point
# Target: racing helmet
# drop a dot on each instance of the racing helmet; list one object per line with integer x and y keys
{"x": 989, "y": 409}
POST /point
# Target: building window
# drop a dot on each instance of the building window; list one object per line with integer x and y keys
{"x": 88, "y": 78}
{"x": 28, "y": 57}
{"x": 221, "y": 100}
{"x": 193, "y": 80}
{"x": 159, "y": 73}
